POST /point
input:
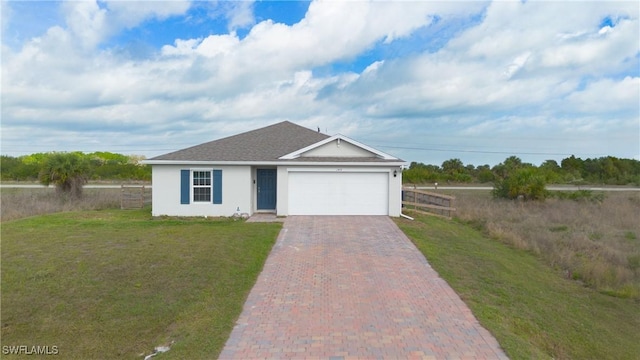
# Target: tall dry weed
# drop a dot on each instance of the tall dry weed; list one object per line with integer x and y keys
{"x": 595, "y": 242}
{"x": 21, "y": 203}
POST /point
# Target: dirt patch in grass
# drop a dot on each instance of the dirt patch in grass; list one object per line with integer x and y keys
{"x": 115, "y": 284}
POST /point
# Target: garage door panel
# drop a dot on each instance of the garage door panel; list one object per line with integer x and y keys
{"x": 343, "y": 193}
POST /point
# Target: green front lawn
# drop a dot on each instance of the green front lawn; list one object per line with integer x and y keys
{"x": 115, "y": 284}
{"x": 533, "y": 312}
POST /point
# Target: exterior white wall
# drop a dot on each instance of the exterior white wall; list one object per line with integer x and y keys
{"x": 395, "y": 184}
{"x": 238, "y": 189}
{"x": 282, "y": 200}
{"x": 395, "y": 192}
{"x": 332, "y": 149}
{"x": 236, "y": 192}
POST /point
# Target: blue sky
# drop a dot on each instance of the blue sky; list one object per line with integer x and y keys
{"x": 426, "y": 81}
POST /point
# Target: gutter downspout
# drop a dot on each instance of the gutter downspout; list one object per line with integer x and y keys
{"x": 406, "y": 217}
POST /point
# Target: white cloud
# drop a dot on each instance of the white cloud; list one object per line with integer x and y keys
{"x": 5, "y": 15}
{"x": 532, "y": 67}
{"x": 215, "y": 45}
{"x": 131, "y": 13}
{"x": 331, "y": 31}
{"x": 608, "y": 96}
{"x": 597, "y": 51}
{"x": 181, "y": 47}
{"x": 517, "y": 64}
{"x": 93, "y": 22}
{"x": 240, "y": 15}
{"x": 502, "y": 64}
{"x": 87, "y": 21}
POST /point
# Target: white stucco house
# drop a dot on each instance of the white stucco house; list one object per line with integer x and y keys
{"x": 284, "y": 168}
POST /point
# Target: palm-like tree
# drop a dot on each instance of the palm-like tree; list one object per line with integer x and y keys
{"x": 67, "y": 171}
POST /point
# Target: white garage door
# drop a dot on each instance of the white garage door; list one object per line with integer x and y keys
{"x": 338, "y": 193}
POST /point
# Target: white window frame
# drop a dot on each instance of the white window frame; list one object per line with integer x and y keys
{"x": 202, "y": 185}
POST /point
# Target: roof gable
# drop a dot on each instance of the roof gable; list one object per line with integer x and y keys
{"x": 330, "y": 147}
{"x": 338, "y": 148}
{"x": 265, "y": 144}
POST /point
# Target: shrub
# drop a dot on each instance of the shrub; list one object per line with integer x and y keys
{"x": 527, "y": 183}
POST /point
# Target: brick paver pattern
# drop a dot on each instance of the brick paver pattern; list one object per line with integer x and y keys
{"x": 342, "y": 287}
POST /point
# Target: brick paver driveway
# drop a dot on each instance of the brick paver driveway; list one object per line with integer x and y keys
{"x": 353, "y": 287}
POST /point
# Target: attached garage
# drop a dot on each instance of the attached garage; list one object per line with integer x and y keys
{"x": 338, "y": 193}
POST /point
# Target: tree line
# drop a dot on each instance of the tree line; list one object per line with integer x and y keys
{"x": 97, "y": 166}
{"x": 511, "y": 178}
{"x": 607, "y": 170}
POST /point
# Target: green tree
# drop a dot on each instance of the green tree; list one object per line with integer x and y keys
{"x": 419, "y": 173}
{"x": 551, "y": 171}
{"x": 507, "y": 167}
{"x": 573, "y": 166}
{"x": 454, "y": 170}
{"x": 453, "y": 166}
{"x": 103, "y": 157}
{"x": 17, "y": 170}
{"x": 67, "y": 171}
{"x": 35, "y": 159}
{"x": 8, "y": 166}
{"x": 485, "y": 174}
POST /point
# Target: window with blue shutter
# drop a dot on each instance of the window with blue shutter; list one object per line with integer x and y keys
{"x": 202, "y": 185}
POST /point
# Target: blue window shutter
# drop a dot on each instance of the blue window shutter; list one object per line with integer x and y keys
{"x": 185, "y": 177}
{"x": 217, "y": 186}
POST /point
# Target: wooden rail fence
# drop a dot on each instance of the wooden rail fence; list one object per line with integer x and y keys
{"x": 429, "y": 203}
{"x": 132, "y": 197}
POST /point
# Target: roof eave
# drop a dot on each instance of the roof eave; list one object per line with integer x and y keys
{"x": 275, "y": 163}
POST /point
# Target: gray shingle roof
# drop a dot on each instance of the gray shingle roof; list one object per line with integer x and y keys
{"x": 265, "y": 144}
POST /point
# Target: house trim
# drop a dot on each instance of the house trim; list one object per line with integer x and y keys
{"x": 385, "y": 163}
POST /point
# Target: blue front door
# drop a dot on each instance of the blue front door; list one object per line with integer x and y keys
{"x": 266, "y": 184}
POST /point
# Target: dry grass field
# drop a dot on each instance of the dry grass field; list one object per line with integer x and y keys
{"x": 17, "y": 203}
{"x": 596, "y": 242}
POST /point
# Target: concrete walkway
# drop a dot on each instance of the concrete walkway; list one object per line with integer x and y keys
{"x": 353, "y": 287}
